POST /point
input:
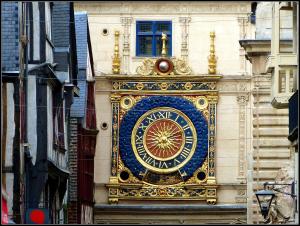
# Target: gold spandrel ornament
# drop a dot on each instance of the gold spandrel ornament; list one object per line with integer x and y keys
{"x": 163, "y": 66}
{"x": 212, "y": 61}
{"x": 116, "y": 59}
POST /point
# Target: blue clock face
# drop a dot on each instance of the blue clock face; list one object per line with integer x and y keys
{"x": 161, "y": 136}
{"x": 163, "y": 139}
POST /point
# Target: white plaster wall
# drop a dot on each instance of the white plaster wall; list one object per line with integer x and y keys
{"x": 32, "y": 117}
{"x": 102, "y": 169}
{"x": 227, "y": 139}
{"x": 9, "y": 144}
{"x": 50, "y": 123}
{"x": 36, "y": 30}
{"x": 10, "y": 192}
{"x": 10, "y": 125}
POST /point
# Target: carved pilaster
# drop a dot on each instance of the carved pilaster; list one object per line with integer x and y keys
{"x": 212, "y": 103}
{"x": 126, "y": 23}
{"x": 243, "y": 24}
{"x": 242, "y": 100}
{"x": 184, "y": 23}
{"x": 115, "y": 102}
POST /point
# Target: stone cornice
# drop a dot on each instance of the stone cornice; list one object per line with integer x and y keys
{"x": 176, "y": 208}
{"x": 156, "y": 78}
{"x": 255, "y": 47}
{"x": 164, "y": 8}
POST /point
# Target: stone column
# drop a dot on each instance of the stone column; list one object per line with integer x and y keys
{"x": 243, "y": 23}
{"x": 184, "y": 23}
{"x": 126, "y": 23}
{"x": 242, "y": 100}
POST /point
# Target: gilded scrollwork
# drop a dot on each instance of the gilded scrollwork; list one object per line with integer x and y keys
{"x": 170, "y": 192}
{"x": 181, "y": 67}
{"x": 147, "y": 68}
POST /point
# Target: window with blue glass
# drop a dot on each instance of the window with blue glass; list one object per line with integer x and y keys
{"x": 148, "y": 37}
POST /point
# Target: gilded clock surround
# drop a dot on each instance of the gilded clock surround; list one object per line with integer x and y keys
{"x": 202, "y": 92}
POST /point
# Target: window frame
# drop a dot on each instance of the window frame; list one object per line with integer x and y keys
{"x": 154, "y": 33}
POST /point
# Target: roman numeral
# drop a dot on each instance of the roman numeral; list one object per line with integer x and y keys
{"x": 141, "y": 150}
{"x": 165, "y": 114}
{"x": 185, "y": 127}
{"x": 176, "y": 162}
{"x": 185, "y": 152}
{"x": 150, "y": 161}
{"x": 163, "y": 165}
{"x": 139, "y": 140}
{"x": 142, "y": 127}
{"x": 183, "y": 174}
{"x": 189, "y": 140}
{"x": 151, "y": 118}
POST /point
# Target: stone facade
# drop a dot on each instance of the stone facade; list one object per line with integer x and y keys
{"x": 250, "y": 134}
{"x": 271, "y": 148}
{"x": 191, "y": 22}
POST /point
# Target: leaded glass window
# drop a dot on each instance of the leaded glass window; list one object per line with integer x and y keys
{"x": 148, "y": 37}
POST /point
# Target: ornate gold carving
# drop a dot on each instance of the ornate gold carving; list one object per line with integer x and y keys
{"x": 212, "y": 99}
{"x": 188, "y": 86}
{"x": 116, "y": 85}
{"x": 116, "y": 60}
{"x": 212, "y": 61}
{"x": 147, "y": 68}
{"x": 115, "y": 97}
{"x": 211, "y": 201}
{"x": 194, "y": 179}
{"x": 140, "y": 86}
{"x": 201, "y": 102}
{"x": 127, "y": 102}
{"x": 181, "y": 67}
{"x": 164, "y": 86}
{"x": 167, "y": 192}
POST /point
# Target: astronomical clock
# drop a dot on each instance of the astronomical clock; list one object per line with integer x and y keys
{"x": 163, "y": 133}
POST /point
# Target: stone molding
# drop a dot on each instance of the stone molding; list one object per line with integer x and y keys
{"x": 184, "y": 23}
{"x": 243, "y": 25}
{"x": 126, "y": 23}
{"x": 169, "y": 8}
{"x": 234, "y": 85}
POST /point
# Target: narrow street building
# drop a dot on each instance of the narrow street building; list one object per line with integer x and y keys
{"x": 273, "y": 55}
{"x": 39, "y": 75}
{"x": 10, "y": 108}
{"x": 83, "y": 129}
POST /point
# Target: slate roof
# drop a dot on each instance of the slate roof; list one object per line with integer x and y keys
{"x": 9, "y": 36}
{"x": 81, "y": 23}
{"x": 79, "y": 104}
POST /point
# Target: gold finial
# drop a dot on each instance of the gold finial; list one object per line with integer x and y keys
{"x": 212, "y": 61}
{"x": 164, "y": 49}
{"x": 116, "y": 59}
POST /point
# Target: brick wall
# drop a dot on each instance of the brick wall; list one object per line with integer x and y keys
{"x": 72, "y": 186}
